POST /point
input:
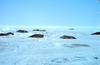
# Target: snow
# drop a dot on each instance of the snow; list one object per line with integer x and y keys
{"x": 50, "y": 50}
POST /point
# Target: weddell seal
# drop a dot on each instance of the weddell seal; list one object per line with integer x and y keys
{"x": 6, "y": 34}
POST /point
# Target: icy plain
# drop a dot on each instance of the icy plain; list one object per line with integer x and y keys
{"x": 19, "y": 49}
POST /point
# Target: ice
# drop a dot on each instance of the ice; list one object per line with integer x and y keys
{"x": 19, "y": 49}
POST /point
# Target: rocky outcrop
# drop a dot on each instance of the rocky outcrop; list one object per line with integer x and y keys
{"x": 37, "y": 36}
{"x": 67, "y": 37}
{"x": 6, "y": 34}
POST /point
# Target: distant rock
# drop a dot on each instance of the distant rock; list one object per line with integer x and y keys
{"x": 37, "y": 36}
{"x": 96, "y": 33}
{"x": 22, "y": 31}
{"x": 39, "y": 30}
{"x": 6, "y": 34}
{"x": 67, "y": 37}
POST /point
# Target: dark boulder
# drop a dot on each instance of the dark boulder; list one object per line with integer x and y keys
{"x": 22, "y": 31}
{"x": 67, "y": 37}
{"x": 37, "y": 36}
{"x": 6, "y": 34}
{"x": 96, "y": 33}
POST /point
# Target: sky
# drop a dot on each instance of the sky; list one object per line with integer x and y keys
{"x": 50, "y": 12}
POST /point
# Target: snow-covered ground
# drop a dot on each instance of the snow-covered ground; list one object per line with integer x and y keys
{"x": 19, "y": 49}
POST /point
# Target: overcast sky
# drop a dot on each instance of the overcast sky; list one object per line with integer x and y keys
{"x": 50, "y": 12}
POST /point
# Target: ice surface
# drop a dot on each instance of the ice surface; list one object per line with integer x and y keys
{"x": 50, "y": 50}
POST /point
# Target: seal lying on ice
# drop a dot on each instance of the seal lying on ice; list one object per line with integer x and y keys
{"x": 37, "y": 36}
{"x": 22, "y": 31}
{"x": 96, "y": 33}
{"x": 6, "y": 34}
{"x": 67, "y": 37}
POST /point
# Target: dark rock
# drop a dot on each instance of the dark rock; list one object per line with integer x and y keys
{"x": 67, "y": 37}
{"x": 22, "y": 31}
{"x": 37, "y": 36}
{"x": 6, "y": 34}
{"x": 39, "y": 30}
{"x": 96, "y": 33}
